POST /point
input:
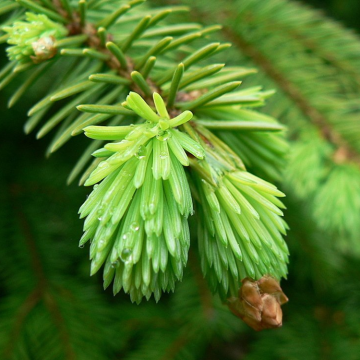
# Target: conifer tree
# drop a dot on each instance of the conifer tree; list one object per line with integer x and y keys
{"x": 182, "y": 154}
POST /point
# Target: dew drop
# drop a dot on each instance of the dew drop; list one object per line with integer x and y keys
{"x": 134, "y": 226}
{"x": 141, "y": 153}
{"x": 115, "y": 264}
{"x": 81, "y": 246}
{"x": 163, "y": 136}
{"x": 126, "y": 255}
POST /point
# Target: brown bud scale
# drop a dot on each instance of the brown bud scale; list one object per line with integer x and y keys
{"x": 259, "y": 303}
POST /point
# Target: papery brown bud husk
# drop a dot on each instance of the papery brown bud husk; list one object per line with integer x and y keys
{"x": 259, "y": 303}
{"x": 269, "y": 285}
{"x": 44, "y": 49}
{"x": 250, "y": 292}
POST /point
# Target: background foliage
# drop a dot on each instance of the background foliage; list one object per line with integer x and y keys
{"x": 51, "y": 309}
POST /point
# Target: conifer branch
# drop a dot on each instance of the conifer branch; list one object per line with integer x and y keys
{"x": 317, "y": 97}
{"x": 170, "y": 132}
{"x": 23, "y": 311}
{"x": 42, "y": 291}
{"x": 342, "y": 64}
{"x": 315, "y": 116}
{"x": 343, "y": 151}
{"x": 154, "y": 140}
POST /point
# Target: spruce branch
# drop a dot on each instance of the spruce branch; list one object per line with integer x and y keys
{"x": 322, "y": 119}
{"x": 318, "y": 118}
{"x": 314, "y": 115}
{"x": 137, "y": 216}
{"x": 45, "y": 299}
{"x": 145, "y": 189}
{"x": 240, "y": 152}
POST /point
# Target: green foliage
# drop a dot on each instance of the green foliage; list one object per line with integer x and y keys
{"x": 242, "y": 232}
{"x": 345, "y": 180}
{"x": 47, "y": 311}
{"x": 145, "y": 189}
{"x": 50, "y": 309}
{"x": 34, "y": 39}
{"x": 146, "y": 170}
{"x": 313, "y": 63}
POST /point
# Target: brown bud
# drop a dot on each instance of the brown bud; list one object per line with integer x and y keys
{"x": 283, "y": 299}
{"x": 272, "y": 314}
{"x": 259, "y": 303}
{"x": 256, "y": 325}
{"x": 44, "y": 49}
{"x": 236, "y": 306}
{"x": 251, "y": 311}
{"x": 249, "y": 291}
{"x": 269, "y": 285}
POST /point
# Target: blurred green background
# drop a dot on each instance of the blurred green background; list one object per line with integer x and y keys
{"x": 39, "y": 214}
{"x": 346, "y": 11}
